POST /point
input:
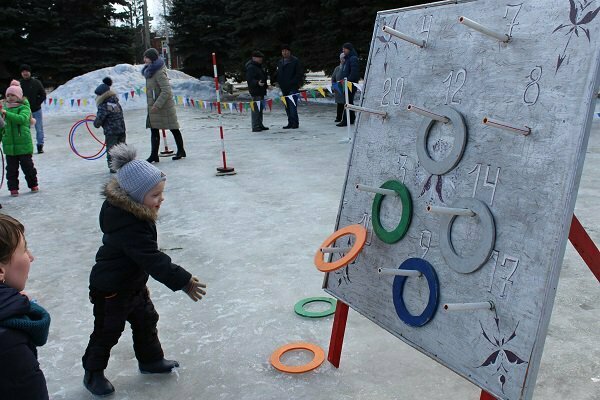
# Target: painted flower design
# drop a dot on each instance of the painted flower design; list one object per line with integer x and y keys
{"x": 580, "y": 15}
{"x": 387, "y": 41}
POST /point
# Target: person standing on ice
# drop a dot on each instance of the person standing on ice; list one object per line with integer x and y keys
{"x": 161, "y": 107}
{"x": 289, "y": 75}
{"x": 16, "y": 140}
{"x": 256, "y": 77}
{"x": 35, "y": 93}
{"x": 128, "y": 256}
{"x": 24, "y": 324}
{"x": 351, "y": 72}
{"x": 340, "y": 99}
{"x": 110, "y": 117}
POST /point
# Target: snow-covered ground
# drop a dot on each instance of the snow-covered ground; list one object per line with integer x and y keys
{"x": 251, "y": 237}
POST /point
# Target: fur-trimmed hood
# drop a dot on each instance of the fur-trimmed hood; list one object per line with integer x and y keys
{"x": 104, "y": 96}
{"x": 118, "y": 197}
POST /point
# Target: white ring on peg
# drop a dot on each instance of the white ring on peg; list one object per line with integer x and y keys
{"x": 427, "y": 113}
{"x": 507, "y": 127}
{"x": 419, "y": 42}
{"x": 335, "y": 249}
{"x": 399, "y": 272}
{"x": 367, "y": 110}
{"x": 385, "y": 192}
{"x": 503, "y": 37}
{"x": 451, "y": 211}
{"x": 484, "y": 305}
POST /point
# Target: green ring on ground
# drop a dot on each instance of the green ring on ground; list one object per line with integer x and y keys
{"x": 299, "y": 307}
{"x": 391, "y": 237}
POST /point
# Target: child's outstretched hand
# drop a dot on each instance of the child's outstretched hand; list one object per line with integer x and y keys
{"x": 194, "y": 289}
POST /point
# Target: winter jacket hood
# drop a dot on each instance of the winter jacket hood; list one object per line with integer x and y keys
{"x": 118, "y": 197}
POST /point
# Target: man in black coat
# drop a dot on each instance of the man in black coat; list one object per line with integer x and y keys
{"x": 35, "y": 93}
{"x": 289, "y": 75}
{"x": 351, "y": 72}
{"x": 257, "y": 86}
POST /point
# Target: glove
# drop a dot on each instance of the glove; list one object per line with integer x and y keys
{"x": 194, "y": 289}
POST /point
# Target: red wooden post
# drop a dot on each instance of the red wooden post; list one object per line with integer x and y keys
{"x": 486, "y": 396}
{"x": 337, "y": 333}
{"x": 585, "y": 246}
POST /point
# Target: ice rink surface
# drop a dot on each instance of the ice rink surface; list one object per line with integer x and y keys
{"x": 251, "y": 237}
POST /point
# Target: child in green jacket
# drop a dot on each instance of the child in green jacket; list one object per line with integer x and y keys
{"x": 16, "y": 139}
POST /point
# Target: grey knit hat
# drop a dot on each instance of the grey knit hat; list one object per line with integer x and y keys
{"x": 136, "y": 177}
{"x": 152, "y": 54}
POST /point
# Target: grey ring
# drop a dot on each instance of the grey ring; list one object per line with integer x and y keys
{"x": 466, "y": 265}
{"x": 458, "y": 147}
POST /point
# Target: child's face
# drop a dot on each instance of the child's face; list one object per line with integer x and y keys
{"x": 16, "y": 272}
{"x": 12, "y": 98}
{"x": 154, "y": 198}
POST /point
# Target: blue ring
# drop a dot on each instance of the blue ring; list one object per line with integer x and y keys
{"x": 72, "y": 142}
{"x": 417, "y": 264}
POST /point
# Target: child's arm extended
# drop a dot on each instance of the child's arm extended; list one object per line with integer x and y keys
{"x": 100, "y": 115}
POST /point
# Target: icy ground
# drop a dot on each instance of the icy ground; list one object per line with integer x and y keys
{"x": 251, "y": 237}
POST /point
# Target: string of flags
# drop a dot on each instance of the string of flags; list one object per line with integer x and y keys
{"x": 239, "y": 106}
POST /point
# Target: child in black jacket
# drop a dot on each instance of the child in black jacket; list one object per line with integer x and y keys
{"x": 128, "y": 255}
{"x": 110, "y": 117}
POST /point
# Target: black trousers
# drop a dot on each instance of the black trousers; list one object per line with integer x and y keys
{"x": 12, "y": 171}
{"x": 340, "y": 111}
{"x": 111, "y": 141}
{"x": 110, "y": 313}
{"x": 155, "y": 141}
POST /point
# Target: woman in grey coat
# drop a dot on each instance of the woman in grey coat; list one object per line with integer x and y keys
{"x": 161, "y": 107}
{"x": 340, "y": 99}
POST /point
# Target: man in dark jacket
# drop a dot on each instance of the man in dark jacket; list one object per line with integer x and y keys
{"x": 351, "y": 72}
{"x": 35, "y": 93}
{"x": 257, "y": 86}
{"x": 289, "y": 75}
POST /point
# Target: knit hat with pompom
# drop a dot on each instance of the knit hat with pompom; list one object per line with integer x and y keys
{"x": 136, "y": 177}
{"x": 104, "y": 86}
{"x": 15, "y": 89}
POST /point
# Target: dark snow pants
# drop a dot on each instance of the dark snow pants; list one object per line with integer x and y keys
{"x": 12, "y": 171}
{"x": 111, "y": 141}
{"x": 110, "y": 313}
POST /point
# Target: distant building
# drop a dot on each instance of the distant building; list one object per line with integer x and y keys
{"x": 160, "y": 44}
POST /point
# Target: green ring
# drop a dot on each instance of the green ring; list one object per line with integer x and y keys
{"x": 399, "y": 232}
{"x": 299, "y": 307}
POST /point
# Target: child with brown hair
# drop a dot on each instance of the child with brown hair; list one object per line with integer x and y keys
{"x": 128, "y": 256}
{"x": 23, "y": 323}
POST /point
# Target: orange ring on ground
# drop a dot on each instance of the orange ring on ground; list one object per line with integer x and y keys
{"x": 319, "y": 357}
{"x": 359, "y": 231}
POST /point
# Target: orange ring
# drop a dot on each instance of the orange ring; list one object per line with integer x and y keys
{"x": 319, "y": 357}
{"x": 359, "y": 231}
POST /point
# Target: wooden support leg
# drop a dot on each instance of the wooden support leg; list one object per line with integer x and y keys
{"x": 585, "y": 246}
{"x": 337, "y": 334}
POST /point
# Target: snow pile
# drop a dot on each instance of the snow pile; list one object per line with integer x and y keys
{"x": 77, "y": 95}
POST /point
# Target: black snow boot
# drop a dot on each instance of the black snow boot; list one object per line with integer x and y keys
{"x": 158, "y": 367}
{"x": 179, "y": 143}
{"x": 97, "y": 384}
{"x": 154, "y": 144}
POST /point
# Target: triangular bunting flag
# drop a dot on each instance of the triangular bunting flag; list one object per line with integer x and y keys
{"x": 252, "y": 106}
{"x": 241, "y": 107}
{"x": 235, "y": 106}
{"x": 304, "y": 95}
{"x": 85, "y": 102}
{"x": 72, "y": 102}
{"x": 126, "y": 96}
{"x": 292, "y": 97}
{"x": 132, "y": 94}
{"x": 50, "y": 101}
{"x": 78, "y": 102}
{"x": 313, "y": 94}
{"x": 349, "y": 85}
{"x": 283, "y": 101}
{"x": 359, "y": 87}
{"x": 270, "y": 103}
{"x": 62, "y": 102}
{"x": 192, "y": 102}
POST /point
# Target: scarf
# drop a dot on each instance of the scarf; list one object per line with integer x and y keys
{"x": 150, "y": 69}
{"x": 35, "y": 324}
{"x": 15, "y": 104}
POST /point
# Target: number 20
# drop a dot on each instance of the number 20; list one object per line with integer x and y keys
{"x": 398, "y": 90}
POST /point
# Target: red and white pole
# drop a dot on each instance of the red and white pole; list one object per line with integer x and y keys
{"x": 167, "y": 151}
{"x": 224, "y": 170}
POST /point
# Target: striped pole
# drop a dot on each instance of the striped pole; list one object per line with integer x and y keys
{"x": 224, "y": 170}
{"x": 167, "y": 151}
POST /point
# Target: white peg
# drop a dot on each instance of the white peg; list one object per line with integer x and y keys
{"x": 503, "y": 37}
{"x": 427, "y": 113}
{"x": 484, "y": 305}
{"x": 451, "y": 211}
{"x": 385, "y": 192}
{"x": 419, "y": 42}
{"x": 399, "y": 272}
{"x": 367, "y": 110}
{"x": 507, "y": 127}
{"x": 335, "y": 249}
